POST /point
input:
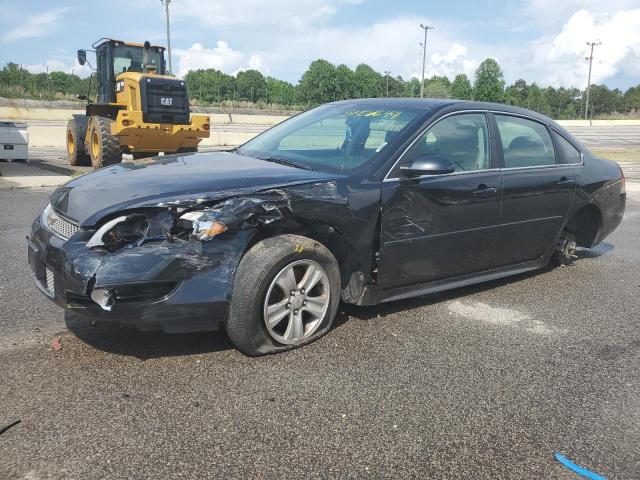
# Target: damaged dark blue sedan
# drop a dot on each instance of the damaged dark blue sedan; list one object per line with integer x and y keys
{"x": 361, "y": 201}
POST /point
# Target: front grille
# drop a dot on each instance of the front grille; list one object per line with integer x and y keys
{"x": 164, "y": 101}
{"x": 48, "y": 281}
{"x": 59, "y": 225}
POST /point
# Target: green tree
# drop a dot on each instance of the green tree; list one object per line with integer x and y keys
{"x": 396, "y": 87}
{"x": 489, "y": 82}
{"x": 319, "y": 83}
{"x": 13, "y": 74}
{"x": 461, "y": 87}
{"x": 344, "y": 82}
{"x": 517, "y": 93}
{"x": 367, "y": 82}
{"x": 412, "y": 88}
{"x": 279, "y": 91}
{"x": 632, "y": 99}
{"x": 210, "y": 85}
{"x": 437, "y": 87}
{"x": 251, "y": 86}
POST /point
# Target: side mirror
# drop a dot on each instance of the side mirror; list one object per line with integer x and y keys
{"x": 82, "y": 57}
{"x": 428, "y": 165}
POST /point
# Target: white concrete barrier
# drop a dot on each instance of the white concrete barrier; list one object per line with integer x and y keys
{"x": 47, "y": 126}
{"x": 599, "y": 123}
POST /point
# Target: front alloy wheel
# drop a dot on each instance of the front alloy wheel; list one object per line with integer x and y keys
{"x": 296, "y": 302}
{"x": 285, "y": 294}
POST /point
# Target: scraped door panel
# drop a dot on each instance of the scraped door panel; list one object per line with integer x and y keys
{"x": 439, "y": 227}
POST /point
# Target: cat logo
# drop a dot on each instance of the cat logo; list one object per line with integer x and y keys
{"x": 166, "y": 101}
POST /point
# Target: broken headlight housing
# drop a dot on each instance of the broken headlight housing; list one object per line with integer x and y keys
{"x": 121, "y": 231}
{"x": 137, "y": 228}
{"x": 202, "y": 226}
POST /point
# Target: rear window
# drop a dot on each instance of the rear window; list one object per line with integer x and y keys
{"x": 525, "y": 143}
{"x": 567, "y": 153}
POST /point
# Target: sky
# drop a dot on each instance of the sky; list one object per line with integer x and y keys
{"x": 538, "y": 40}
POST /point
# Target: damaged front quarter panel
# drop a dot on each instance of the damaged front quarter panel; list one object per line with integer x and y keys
{"x": 199, "y": 238}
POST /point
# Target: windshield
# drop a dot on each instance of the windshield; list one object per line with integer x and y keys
{"x": 334, "y": 137}
{"x": 127, "y": 58}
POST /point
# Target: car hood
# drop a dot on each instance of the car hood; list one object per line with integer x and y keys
{"x": 149, "y": 182}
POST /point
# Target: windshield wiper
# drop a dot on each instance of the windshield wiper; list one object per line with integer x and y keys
{"x": 288, "y": 163}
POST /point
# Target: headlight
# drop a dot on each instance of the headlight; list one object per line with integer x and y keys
{"x": 47, "y": 215}
{"x": 121, "y": 231}
{"x": 203, "y": 228}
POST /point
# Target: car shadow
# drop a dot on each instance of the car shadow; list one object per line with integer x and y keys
{"x": 127, "y": 341}
{"x": 123, "y": 340}
{"x": 390, "y": 308}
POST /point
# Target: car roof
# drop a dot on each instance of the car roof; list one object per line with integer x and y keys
{"x": 398, "y": 102}
{"x": 430, "y": 103}
{"x": 446, "y": 104}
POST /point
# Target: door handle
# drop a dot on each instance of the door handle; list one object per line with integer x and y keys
{"x": 484, "y": 191}
{"x": 566, "y": 181}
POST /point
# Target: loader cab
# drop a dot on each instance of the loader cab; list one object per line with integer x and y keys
{"x": 114, "y": 57}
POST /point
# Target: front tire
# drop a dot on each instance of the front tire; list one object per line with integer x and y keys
{"x": 104, "y": 148}
{"x": 75, "y": 146}
{"x": 271, "y": 310}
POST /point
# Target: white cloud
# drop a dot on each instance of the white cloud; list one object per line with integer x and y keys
{"x": 38, "y": 25}
{"x": 560, "y": 59}
{"x": 285, "y": 14}
{"x": 387, "y": 45}
{"x": 284, "y": 36}
{"x": 453, "y": 62}
{"x": 57, "y": 65}
{"x": 549, "y": 14}
{"x": 222, "y": 57}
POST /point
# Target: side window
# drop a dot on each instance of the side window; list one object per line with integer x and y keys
{"x": 462, "y": 139}
{"x": 568, "y": 153}
{"x": 525, "y": 143}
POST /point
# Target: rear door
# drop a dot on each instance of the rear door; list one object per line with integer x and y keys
{"x": 537, "y": 188}
{"x": 442, "y": 226}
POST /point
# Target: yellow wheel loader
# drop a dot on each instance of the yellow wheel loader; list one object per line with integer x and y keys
{"x": 139, "y": 109}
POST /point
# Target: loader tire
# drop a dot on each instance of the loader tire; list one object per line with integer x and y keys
{"x": 75, "y": 145}
{"x": 104, "y": 148}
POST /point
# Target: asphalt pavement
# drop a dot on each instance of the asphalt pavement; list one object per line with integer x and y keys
{"x": 482, "y": 382}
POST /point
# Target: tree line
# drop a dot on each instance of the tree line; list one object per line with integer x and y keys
{"x": 323, "y": 82}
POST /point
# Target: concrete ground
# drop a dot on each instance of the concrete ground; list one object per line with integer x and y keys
{"x": 481, "y": 382}
{"x": 24, "y": 175}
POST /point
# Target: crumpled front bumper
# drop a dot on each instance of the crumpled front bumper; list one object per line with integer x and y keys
{"x": 180, "y": 286}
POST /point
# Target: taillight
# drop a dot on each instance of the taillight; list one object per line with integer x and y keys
{"x": 623, "y": 188}
{"x": 205, "y": 126}
{"x": 125, "y": 123}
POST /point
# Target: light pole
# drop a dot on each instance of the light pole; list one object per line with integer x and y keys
{"x": 426, "y": 28}
{"x": 386, "y": 73}
{"x": 166, "y": 8}
{"x": 590, "y": 58}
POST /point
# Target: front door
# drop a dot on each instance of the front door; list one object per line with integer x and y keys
{"x": 441, "y": 226}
